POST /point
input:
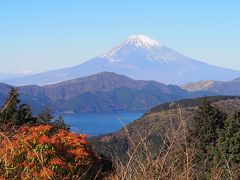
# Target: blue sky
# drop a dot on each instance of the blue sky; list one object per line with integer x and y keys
{"x": 48, "y": 34}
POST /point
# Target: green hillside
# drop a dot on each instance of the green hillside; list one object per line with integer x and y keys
{"x": 156, "y": 123}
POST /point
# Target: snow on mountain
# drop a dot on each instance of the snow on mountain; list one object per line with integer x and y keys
{"x": 142, "y": 41}
{"x": 150, "y": 48}
{"x": 138, "y": 57}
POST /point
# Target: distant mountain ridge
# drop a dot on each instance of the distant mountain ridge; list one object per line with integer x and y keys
{"x": 8, "y": 76}
{"x": 100, "y": 92}
{"x": 138, "y": 57}
{"x": 217, "y": 87}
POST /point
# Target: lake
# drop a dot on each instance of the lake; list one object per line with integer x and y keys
{"x": 95, "y": 124}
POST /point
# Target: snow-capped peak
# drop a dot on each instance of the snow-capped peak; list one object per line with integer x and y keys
{"x": 142, "y": 46}
{"x": 138, "y": 41}
{"x": 142, "y": 41}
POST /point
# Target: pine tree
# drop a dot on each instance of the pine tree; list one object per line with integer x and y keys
{"x": 229, "y": 143}
{"x": 25, "y": 115}
{"x": 12, "y": 114}
{"x": 9, "y": 112}
{"x": 203, "y": 135}
{"x": 45, "y": 117}
{"x": 60, "y": 124}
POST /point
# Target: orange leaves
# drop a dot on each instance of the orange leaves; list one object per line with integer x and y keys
{"x": 46, "y": 173}
{"x": 78, "y": 153}
{"x": 59, "y": 162}
{"x": 40, "y": 129}
{"x": 45, "y": 140}
{"x": 37, "y": 151}
{"x": 83, "y": 136}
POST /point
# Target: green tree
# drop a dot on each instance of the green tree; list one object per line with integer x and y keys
{"x": 15, "y": 114}
{"x": 25, "y": 115}
{"x": 9, "y": 112}
{"x": 229, "y": 143}
{"x": 60, "y": 124}
{"x": 203, "y": 135}
{"x": 45, "y": 117}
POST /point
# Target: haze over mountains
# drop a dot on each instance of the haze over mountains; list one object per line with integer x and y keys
{"x": 7, "y": 76}
{"x": 101, "y": 92}
{"x": 138, "y": 57}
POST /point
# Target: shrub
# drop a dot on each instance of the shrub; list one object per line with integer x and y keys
{"x": 34, "y": 152}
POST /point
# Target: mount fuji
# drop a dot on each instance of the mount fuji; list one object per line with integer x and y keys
{"x": 138, "y": 57}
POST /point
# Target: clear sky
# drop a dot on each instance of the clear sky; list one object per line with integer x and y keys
{"x": 38, "y": 35}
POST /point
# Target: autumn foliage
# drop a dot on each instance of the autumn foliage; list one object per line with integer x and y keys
{"x": 38, "y": 152}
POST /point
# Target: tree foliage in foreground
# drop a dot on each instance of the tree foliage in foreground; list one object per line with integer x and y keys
{"x": 228, "y": 146}
{"x": 14, "y": 114}
{"x": 38, "y": 147}
{"x": 216, "y": 139}
{"x": 34, "y": 152}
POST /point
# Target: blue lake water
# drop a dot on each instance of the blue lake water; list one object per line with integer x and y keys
{"x": 95, "y": 124}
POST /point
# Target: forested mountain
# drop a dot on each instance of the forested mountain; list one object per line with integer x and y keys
{"x": 156, "y": 123}
{"x": 101, "y": 92}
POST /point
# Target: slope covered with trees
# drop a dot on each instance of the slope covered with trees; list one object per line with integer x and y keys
{"x": 102, "y": 92}
{"x": 190, "y": 139}
{"x": 181, "y": 142}
{"x": 39, "y": 147}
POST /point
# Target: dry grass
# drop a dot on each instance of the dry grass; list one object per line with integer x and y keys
{"x": 175, "y": 160}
